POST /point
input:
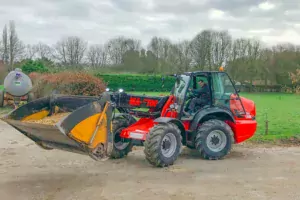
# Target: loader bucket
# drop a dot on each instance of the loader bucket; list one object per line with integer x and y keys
{"x": 83, "y": 125}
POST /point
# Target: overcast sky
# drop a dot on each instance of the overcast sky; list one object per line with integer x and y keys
{"x": 98, "y": 20}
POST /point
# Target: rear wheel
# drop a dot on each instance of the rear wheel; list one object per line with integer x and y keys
{"x": 1, "y": 98}
{"x": 214, "y": 139}
{"x": 121, "y": 146}
{"x": 163, "y": 145}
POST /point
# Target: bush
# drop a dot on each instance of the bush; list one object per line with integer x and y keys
{"x": 34, "y": 66}
{"x": 132, "y": 82}
{"x": 71, "y": 83}
{"x": 3, "y": 73}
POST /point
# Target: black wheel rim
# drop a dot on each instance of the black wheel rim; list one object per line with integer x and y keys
{"x": 120, "y": 143}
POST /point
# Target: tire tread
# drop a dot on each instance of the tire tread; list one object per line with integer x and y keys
{"x": 204, "y": 128}
{"x": 152, "y": 144}
{"x": 116, "y": 153}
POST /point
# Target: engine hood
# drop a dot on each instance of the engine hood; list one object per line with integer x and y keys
{"x": 249, "y": 106}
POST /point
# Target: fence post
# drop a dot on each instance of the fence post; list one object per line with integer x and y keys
{"x": 266, "y": 124}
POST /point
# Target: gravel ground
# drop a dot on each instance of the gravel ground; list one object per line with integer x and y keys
{"x": 28, "y": 172}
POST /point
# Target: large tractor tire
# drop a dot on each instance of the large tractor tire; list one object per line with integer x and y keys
{"x": 1, "y": 98}
{"x": 214, "y": 139}
{"x": 163, "y": 145}
{"x": 121, "y": 146}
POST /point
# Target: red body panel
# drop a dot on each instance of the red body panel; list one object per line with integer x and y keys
{"x": 186, "y": 124}
{"x": 245, "y": 127}
{"x": 137, "y": 101}
{"x": 166, "y": 112}
{"x": 140, "y": 128}
{"x": 249, "y": 106}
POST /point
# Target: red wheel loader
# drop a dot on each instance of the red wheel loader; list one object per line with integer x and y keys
{"x": 109, "y": 126}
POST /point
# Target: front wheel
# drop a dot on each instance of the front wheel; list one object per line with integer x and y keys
{"x": 214, "y": 139}
{"x": 121, "y": 146}
{"x": 163, "y": 145}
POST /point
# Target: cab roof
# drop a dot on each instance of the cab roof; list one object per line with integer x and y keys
{"x": 195, "y": 73}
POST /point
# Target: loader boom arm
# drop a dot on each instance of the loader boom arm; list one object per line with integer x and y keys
{"x": 127, "y": 103}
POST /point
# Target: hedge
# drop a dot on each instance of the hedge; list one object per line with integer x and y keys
{"x": 268, "y": 88}
{"x": 155, "y": 83}
{"x": 132, "y": 82}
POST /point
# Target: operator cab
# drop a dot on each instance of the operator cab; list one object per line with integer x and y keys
{"x": 221, "y": 93}
{"x": 198, "y": 94}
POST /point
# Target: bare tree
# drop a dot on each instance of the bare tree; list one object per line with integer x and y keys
{"x": 220, "y": 49}
{"x": 1, "y": 51}
{"x": 186, "y": 55}
{"x": 118, "y": 46}
{"x": 264, "y": 69}
{"x": 97, "y": 56}
{"x": 180, "y": 57}
{"x": 132, "y": 44}
{"x": 254, "y": 50}
{"x": 31, "y": 51}
{"x": 16, "y": 47}
{"x": 201, "y": 49}
{"x": 44, "y": 51}
{"x": 70, "y": 50}
{"x": 5, "y": 51}
{"x": 238, "y": 59}
{"x": 161, "y": 47}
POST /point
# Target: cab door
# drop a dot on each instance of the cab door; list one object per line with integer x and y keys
{"x": 225, "y": 96}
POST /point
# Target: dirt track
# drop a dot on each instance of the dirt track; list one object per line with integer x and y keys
{"x": 28, "y": 172}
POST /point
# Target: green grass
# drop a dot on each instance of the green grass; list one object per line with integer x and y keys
{"x": 281, "y": 110}
{"x": 5, "y": 110}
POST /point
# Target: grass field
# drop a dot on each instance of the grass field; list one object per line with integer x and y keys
{"x": 1, "y": 87}
{"x": 281, "y": 110}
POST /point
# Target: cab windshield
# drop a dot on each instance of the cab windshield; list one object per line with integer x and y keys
{"x": 180, "y": 89}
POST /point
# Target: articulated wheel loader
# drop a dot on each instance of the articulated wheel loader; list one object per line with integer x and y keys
{"x": 108, "y": 126}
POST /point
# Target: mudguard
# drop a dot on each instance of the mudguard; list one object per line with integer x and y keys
{"x": 208, "y": 111}
{"x": 176, "y": 122}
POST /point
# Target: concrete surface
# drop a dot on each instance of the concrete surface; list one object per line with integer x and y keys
{"x": 250, "y": 172}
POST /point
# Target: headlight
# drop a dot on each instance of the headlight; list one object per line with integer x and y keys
{"x": 174, "y": 106}
{"x": 107, "y": 89}
{"x": 121, "y": 90}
